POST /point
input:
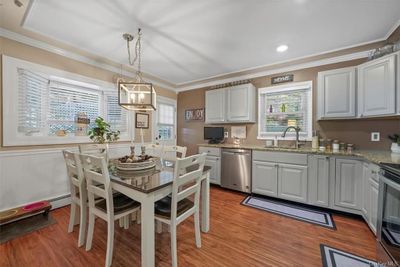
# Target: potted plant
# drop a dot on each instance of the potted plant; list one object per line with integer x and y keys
{"x": 102, "y": 133}
{"x": 395, "y": 143}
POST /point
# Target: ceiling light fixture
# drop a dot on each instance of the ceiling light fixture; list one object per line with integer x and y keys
{"x": 137, "y": 94}
{"x": 282, "y": 48}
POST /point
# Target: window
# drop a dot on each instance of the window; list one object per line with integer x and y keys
{"x": 42, "y": 105}
{"x": 283, "y": 106}
{"x": 166, "y": 121}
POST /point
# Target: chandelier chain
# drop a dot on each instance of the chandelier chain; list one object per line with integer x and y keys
{"x": 138, "y": 51}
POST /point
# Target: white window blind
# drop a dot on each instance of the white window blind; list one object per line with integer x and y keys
{"x": 66, "y": 101}
{"x": 32, "y": 91}
{"x": 117, "y": 116}
{"x": 166, "y": 121}
{"x": 284, "y": 107}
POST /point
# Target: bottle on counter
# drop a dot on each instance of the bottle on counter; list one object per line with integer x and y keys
{"x": 342, "y": 147}
{"x": 271, "y": 109}
{"x": 335, "y": 146}
{"x": 350, "y": 148}
{"x": 315, "y": 141}
{"x": 328, "y": 145}
{"x": 322, "y": 147}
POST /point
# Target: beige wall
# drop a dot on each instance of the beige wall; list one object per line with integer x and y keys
{"x": 350, "y": 131}
{"x": 18, "y": 50}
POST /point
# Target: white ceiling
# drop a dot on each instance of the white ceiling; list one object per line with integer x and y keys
{"x": 186, "y": 40}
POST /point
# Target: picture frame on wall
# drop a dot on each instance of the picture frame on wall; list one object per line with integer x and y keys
{"x": 196, "y": 114}
{"x": 142, "y": 121}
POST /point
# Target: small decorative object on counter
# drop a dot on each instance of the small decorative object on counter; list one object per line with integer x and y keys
{"x": 315, "y": 141}
{"x": 283, "y": 108}
{"x": 395, "y": 147}
{"x": 82, "y": 123}
{"x": 342, "y": 147}
{"x": 335, "y": 146}
{"x": 350, "y": 148}
{"x": 322, "y": 148}
{"x": 276, "y": 141}
{"x": 271, "y": 109}
{"x": 328, "y": 145}
{"x": 269, "y": 143}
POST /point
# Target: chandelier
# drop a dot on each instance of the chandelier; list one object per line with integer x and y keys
{"x": 137, "y": 94}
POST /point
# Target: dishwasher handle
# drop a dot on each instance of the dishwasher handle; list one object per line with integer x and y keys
{"x": 236, "y": 152}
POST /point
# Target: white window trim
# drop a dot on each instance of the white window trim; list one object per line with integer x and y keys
{"x": 10, "y": 66}
{"x": 283, "y": 88}
{"x": 169, "y": 101}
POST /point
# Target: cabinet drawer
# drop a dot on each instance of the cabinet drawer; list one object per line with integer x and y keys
{"x": 211, "y": 151}
{"x": 284, "y": 157}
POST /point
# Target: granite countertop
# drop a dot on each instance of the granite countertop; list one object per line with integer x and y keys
{"x": 375, "y": 156}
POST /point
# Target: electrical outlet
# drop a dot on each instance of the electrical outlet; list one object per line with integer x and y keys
{"x": 375, "y": 136}
{"x": 226, "y": 134}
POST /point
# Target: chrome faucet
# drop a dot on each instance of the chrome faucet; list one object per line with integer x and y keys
{"x": 297, "y": 129}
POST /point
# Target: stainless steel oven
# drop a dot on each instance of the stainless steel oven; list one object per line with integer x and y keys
{"x": 389, "y": 211}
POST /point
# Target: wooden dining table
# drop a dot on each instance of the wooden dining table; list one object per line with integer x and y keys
{"x": 149, "y": 186}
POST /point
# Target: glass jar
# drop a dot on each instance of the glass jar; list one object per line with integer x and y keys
{"x": 350, "y": 148}
{"x": 342, "y": 147}
{"x": 328, "y": 145}
{"x": 335, "y": 146}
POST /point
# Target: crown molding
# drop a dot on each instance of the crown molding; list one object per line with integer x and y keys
{"x": 71, "y": 55}
{"x": 394, "y": 27}
{"x": 311, "y": 64}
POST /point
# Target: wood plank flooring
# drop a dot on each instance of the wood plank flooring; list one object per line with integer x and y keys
{"x": 239, "y": 236}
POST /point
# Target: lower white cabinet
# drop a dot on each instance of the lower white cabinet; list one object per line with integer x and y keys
{"x": 318, "y": 179}
{"x": 292, "y": 182}
{"x": 215, "y": 172}
{"x": 365, "y": 207}
{"x": 265, "y": 178}
{"x": 373, "y": 198}
{"x": 348, "y": 183}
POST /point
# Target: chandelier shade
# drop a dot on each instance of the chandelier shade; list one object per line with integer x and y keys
{"x": 136, "y": 95}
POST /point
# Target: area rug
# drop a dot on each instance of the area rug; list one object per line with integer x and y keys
{"x": 332, "y": 257}
{"x": 290, "y": 210}
{"x": 25, "y": 226}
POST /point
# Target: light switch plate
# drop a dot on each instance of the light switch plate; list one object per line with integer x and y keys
{"x": 375, "y": 136}
{"x": 226, "y": 134}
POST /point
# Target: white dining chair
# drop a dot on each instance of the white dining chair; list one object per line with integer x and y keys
{"x": 154, "y": 150}
{"x": 98, "y": 150}
{"x": 78, "y": 194}
{"x": 111, "y": 207}
{"x": 174, "y": 209}
{"x": 172, "y": 153}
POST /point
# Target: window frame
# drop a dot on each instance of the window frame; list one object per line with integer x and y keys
{"x": 155, "y": 121}
{"x": 11, "y": 136}
{"x": 280, "y": 89}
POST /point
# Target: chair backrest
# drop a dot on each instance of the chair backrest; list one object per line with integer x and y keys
{"x": 187, "y": 175}
{"x": 153, "y": 150}
{"x": 172, "y": 153}
{"x": 98, "y": 150}
{"x": 75, "y": 174}
{"x": 95, "y": 170}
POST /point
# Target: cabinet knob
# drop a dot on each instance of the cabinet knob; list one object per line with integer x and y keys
{"x": 276, "y": 165}
{"x": 327, "y": 158}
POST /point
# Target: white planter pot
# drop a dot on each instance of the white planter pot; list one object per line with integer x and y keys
{"x": 395, "y": 148}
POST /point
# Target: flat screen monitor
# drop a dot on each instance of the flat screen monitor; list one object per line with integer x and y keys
{"x": 214, "y": 133}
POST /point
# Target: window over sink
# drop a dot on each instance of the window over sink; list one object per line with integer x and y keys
{"x": 283, "y": 106}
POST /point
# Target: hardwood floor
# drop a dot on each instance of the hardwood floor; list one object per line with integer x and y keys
{"x": 239, "y": 236}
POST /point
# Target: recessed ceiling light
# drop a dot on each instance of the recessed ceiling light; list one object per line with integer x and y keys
{"x": 282, "y": 48}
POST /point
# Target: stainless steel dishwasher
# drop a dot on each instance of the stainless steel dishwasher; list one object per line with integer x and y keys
{"x": 236, "y": 169}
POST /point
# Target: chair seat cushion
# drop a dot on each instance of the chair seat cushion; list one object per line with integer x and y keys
{"x": 122, "y": 203}
{"x": 163, "y": 207}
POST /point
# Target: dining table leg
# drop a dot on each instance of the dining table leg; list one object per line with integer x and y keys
{"x": 205, "y": 203}
{"x": 147, "y": 224}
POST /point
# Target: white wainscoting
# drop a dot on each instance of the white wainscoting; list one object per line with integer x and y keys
{"x": 32, "y": 175}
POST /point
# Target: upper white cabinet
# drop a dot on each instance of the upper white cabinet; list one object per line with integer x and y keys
{"x": 377, "y": 87}
{"x": 215, "y": 106}
{"x": 337, "y": 93}
{"x": 231, "y": 105}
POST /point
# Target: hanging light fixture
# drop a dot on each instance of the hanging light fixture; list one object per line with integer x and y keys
{"x": 137, "y": 94}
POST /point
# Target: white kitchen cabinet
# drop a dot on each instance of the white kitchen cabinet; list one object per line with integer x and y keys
{"x": 265, "y": 178}
{"x": 215, "y": 172}
{"x": 213, "y": 160}
{"x": 377, "y": 87}
{"x": 318, "y": 180}
{"x": 348, "y": 183}
{"x": 234, "y": 104}
{"x": 365, "y": 207}
{"x": 373, "y": 198}
{"x": 292, "y": 182}
{"x": 398, "y": 82}
{"x": 215, "y": 106}
{"x": 337, "y": 93}
{"x": 241, "y": 103}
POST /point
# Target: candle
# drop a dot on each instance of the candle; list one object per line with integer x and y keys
{"x": 141, "y": 136}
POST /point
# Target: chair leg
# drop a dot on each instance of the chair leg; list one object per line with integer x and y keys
{"x": 126, "y": 222}
{"x": 121, "y": 222}
{"x": 138, "y": 217}
{"x": 110, "y": 242}
{"x": 72, "y": 217}
{"x": 82, "y": 225}
{"x": 90, "y": 231}
{"x": 158, "y": 227}
{"x": 174, "y": 254}
{"x": 197, "y": 228}
{"x": 134, "y": 216}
